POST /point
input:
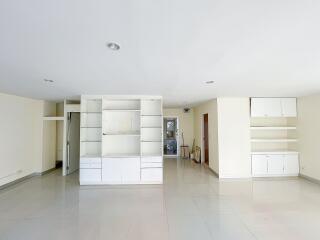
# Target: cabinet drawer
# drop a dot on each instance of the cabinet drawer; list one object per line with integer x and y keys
{"x": 151, "y": 165}
{"x": 151, "y": 159}
{"x": 151, "y": 174}
{"x": 90, "y": 160}
{"x": 90, "y": 175}
{"x": 90, "y": 165}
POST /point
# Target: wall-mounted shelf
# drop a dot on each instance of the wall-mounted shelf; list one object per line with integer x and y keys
{"x": 121, "y": 110}
{"x": 274, "y": 152}
{"x": 274, "y": 140}
{"x": 121, "y": 155}
{"x": 273, "y": 128}
{"x": 122, "y": 134}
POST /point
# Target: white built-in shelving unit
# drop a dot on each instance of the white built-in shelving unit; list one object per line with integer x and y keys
{"x": 273, "y": 137}
{"x": 124, "y": 133}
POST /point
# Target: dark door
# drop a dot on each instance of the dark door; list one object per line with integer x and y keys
{"x": 206, "y": 138}
{"x": 170, "y": 136}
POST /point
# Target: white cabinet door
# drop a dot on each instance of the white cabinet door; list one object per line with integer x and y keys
{"x": 130, "y": 170}
{"x": 111, "y": 170}
{"x": 275, "y": 164}
{"x": 291, "y": 164}
{"x": 266, "y": 107}
{"x": 151, "y": 175}
{"x": 90, "y": 175}
{"x": 259, "y": 165}
{"x": 289, "y": 107}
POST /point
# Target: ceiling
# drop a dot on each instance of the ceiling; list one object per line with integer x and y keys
{"x": 168, "y": 47}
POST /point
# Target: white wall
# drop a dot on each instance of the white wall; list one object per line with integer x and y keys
{"x": 49, "y": 137}
{"x": 185, "y": 124}
{"x": 308, "y": 131}
{"x": 209, "y": 107}
{"x": 234, "y": 137}
{"x": 20, "y": 138}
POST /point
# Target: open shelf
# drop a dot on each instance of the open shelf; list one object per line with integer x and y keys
{"x": 121, "y": 155}
{"x": 122, "y": 134}
{"x": 274, "y": 140}
{"x": 275, "y": 152}
{"x": 121, "y": 110}
{"x": 273, "y": 128}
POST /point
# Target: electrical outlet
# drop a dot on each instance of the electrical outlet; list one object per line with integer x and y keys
{"x": 19, "y": 171}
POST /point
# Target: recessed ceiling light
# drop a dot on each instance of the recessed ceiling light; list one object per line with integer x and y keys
{"x": 113, "y": 46}
{"x": 48, "y": 80}
{"x": 209, "y": 82}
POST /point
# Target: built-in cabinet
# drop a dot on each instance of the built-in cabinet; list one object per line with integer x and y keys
{"x": 264, "y": 165}
{"x": 121, "y": 140}
{"x": 273, "y": 137}
{"x": 273, "y": 107}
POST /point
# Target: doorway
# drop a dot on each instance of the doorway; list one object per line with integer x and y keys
{"x": 73, "y": 141}
{"x": 206, "y": 138}
{"x": 170, "y": 136}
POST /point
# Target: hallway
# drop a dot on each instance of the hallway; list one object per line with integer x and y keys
{"x": 192, "y": 204}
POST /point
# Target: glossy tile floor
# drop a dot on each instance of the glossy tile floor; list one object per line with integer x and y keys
{"x": 192, "y": 204}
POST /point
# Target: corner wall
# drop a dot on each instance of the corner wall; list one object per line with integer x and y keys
{"x": 234, "y": 137}
{"x": 308, "y": 131}
{"x": 209, "y": 107}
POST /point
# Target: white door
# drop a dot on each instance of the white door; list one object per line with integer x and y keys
{"x": 73, "y": 142}
{"x": 130, "y": 169}
{"x": 259, "y": 165}
{"x": 111, "y": 170}
{"x": 266, "y": 107}
{"x": 291, "y": 164}
{"x": 275, "y": 164}
{"x": 289, "y": 107}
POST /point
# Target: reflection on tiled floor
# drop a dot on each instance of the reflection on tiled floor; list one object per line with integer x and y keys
{"x": 192, "y": 204}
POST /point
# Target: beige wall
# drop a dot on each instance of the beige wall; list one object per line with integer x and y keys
{"x": 209, "y": 107}
{"x": 308, "y": 131}
{"x": 27, "y": 143}
{"x": 234, "y": 137}
{"x": 20, "y": 138}
{"x": 185, "y": 124}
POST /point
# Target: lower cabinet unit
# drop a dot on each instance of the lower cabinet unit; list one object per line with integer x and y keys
{"x": 291, "y": 164}
{"x": 151, "y": 175}
{"x": 274, "y": 165}
{"x": 259, "y": 165}
{"x": 90, "y": 171}
{"x": 88, "y": 176}
{"x": 120, "y": 170}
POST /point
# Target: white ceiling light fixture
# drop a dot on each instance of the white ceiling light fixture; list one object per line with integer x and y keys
{"x": 113, "y": 46}
{"x": 48, "y": 80}
{"x": 209, "y": 82}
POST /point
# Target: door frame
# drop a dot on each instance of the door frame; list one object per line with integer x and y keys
{"x": 67, "y": 108}
{"x": 177, "y": 138}
{"x": 202, "y": 135}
